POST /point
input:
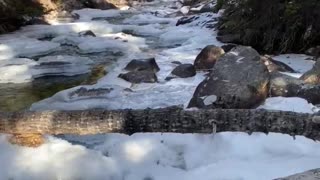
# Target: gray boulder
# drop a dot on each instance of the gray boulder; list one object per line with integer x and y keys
{"x": 143, "y": 65}
{"x": 182, "y": 71}
{"x": 238, "y": 80}
{"x": 139, "y": 77}
{"x": 208, "y": 57}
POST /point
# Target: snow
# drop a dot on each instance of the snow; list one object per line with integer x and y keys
{"x": 16, "y": 70}
{"x": 161, "y": 157}
{"x": 299, "y": 62}
{"x": 293, "y": 104}
{"x": 25, "y": 47}
{"x": 21, "y": 70}
{"x": 227, "y": 155}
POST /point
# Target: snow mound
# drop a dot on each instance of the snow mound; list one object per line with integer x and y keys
{"x": 293, "y": 104}
{"x": 161, "y": 157}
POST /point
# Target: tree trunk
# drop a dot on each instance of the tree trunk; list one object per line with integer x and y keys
{"x": 170, "y": 119}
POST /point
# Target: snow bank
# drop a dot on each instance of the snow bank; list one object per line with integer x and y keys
{"x": 21, "y": 70}
{"x": 25, "y": 47}
{"x": 299, "y": 62}
{"x": 162, "y": 157}
{"x": 293, "y": 104}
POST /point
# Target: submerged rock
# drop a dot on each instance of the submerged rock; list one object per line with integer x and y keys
{"x": 238, "y": 80}
{"x": 86, "y": 33}
{"x": 208, "y": 57}
{"x": 90, "y": 92}
{"x": 143, "y": 65}
{"x": 139, "y": 77}
{"x": 62, "y": 66}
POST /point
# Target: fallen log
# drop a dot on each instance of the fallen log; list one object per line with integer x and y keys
{"x": 173, "y": 119}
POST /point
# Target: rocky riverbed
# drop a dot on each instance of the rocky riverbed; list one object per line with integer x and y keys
{"x": 137, "y": 58}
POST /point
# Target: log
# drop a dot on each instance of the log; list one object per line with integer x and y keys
{"x": 173, "y": 119}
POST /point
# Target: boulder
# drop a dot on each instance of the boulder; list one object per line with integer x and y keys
{"x": 238, "y": 80}
{"x": 208, "y": 57}
{"x": 228, "y": 47}
{"x": 182, "y": 71}
{"x": 139, "y": 77}
{"x": 229, "y": 38}
{"x": 312, "y": 76}
{"x": 314, "y": 51}
{"x": 284, "y": 85}
{"x": 287, "y": 86}
{"x": 143, "y": 65}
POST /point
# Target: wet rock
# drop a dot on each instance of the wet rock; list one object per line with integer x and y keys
{"x": 228, "y": 47}
{"x": 139, "y": 77}
{"x": 274, "y": 65}
{"x": 176, "y": 62}
{"x": 238, "y": 80}
{"x": 186, "y": 20}
{"x": 86, "y": 33}
{"x": 208, "y": 57}
{"x": 314, "y": 51}
{"x": 312, "y": 76}
{"x": 207, "y": 8}
{"x": 182, "y": 71}
{"x": 229, "y": 38}
{"x": 284, "y": 85}
{"x": 143, "y": 65}
{"x": 287, "y": 86}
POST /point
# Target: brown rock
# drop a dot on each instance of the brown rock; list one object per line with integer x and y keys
{"x": 208, "y": 57}
{"x": 312, "y": 76}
